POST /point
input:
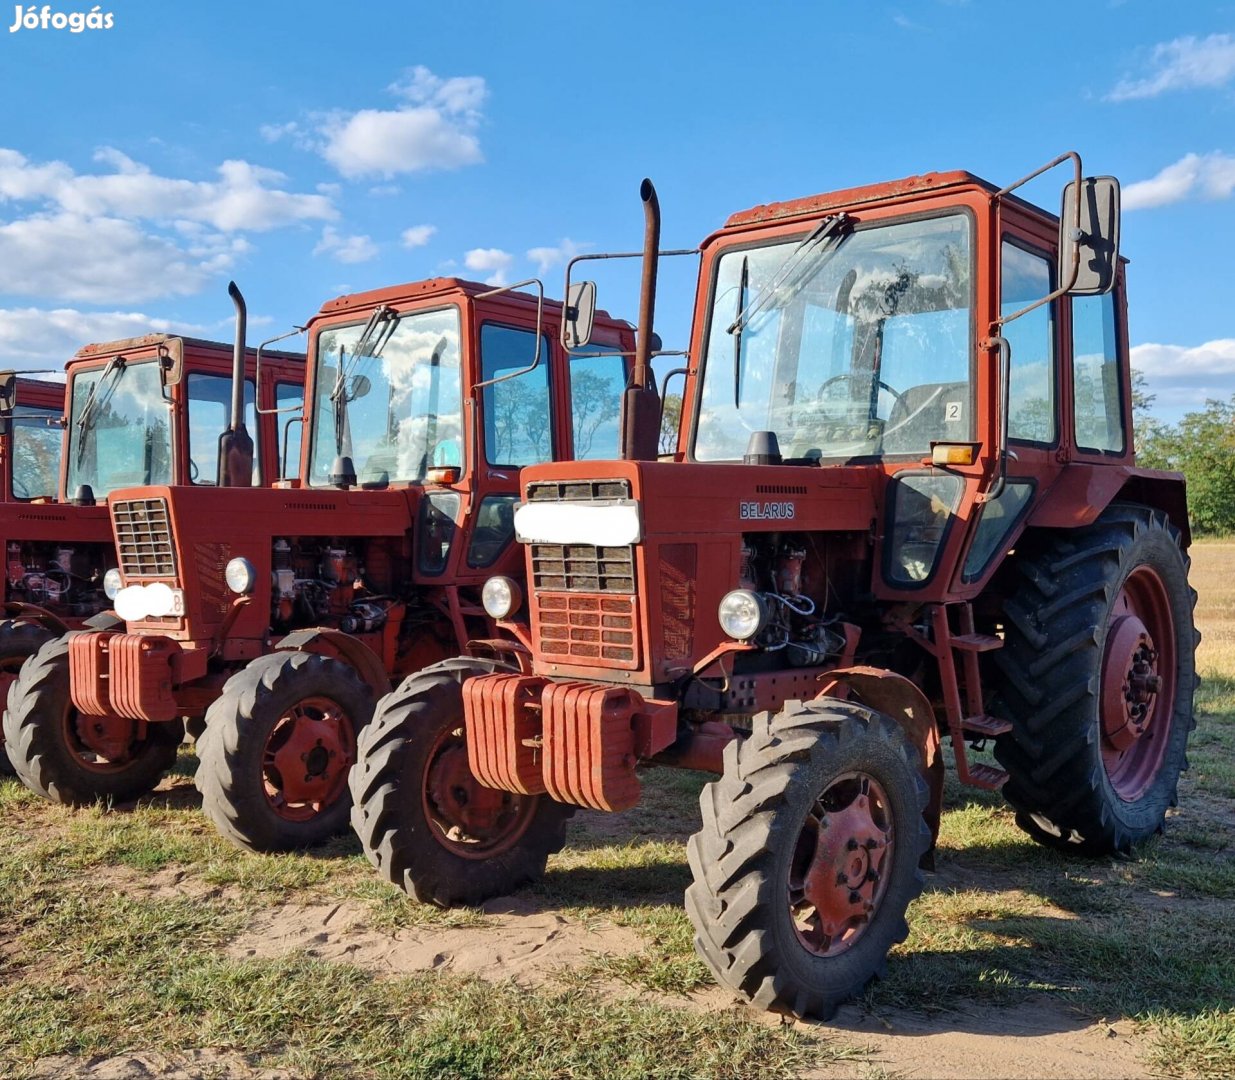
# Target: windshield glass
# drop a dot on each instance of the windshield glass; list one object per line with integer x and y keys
{"x": 36, "y": 452}
{"x": 396, "y": 413}
{"x": 867, "y": 355}
{"x": 123, "y": 439}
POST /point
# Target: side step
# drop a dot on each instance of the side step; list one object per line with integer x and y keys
{"x": 976, "y": 642}
{"x": 986, "y": 776}
{"x": 986, "y": 727}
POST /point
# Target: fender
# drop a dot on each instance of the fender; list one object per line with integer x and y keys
{"x": 326, "y": 641}
{"x": 895, "y": 696}
{"x": 15, "y": 609}
{"x": 1084, "y": 490}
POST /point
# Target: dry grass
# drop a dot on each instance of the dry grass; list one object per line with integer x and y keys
{"x": 1213, "y": 577}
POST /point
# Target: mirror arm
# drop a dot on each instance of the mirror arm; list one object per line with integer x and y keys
{"x": 257, "y": 375}
{"x": 1005, "y": 400}
{"x": 540, "y": 305}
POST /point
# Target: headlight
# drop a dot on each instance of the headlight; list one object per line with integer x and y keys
{"x": 112, "y": 583}
{"x": 240, "y": 576}
{"x": 742, "y": 614}
{"x": 500, "y": 596}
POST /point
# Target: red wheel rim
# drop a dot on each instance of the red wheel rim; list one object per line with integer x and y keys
{"x": 102, "y": 744}
{"x": 841, "y": 864}
{"x": 306, "y": 759}
{"x": 1138, "y": 684}
{"x": 465, "y": 817}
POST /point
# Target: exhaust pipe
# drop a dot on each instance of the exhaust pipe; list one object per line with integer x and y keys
{"x": 235, "y": 444}
{"x": 640, "y": 425}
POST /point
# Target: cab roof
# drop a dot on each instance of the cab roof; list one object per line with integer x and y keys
{"x": 150, "y": 341}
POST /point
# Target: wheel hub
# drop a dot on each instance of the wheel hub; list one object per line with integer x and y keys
{"x": 469, "y": 808}
{"x": 109, "y": 737}
{"x": 1130, "y": 682}
{"x": 840, "y": 863}
{"x": 308, "y": 754}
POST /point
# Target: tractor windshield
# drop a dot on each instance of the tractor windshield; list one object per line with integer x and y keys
{"x": 389, "y": 398}
{"x": 119, "y": 428}
{"x": 867, "y": 356}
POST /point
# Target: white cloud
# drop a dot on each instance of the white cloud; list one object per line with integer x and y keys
{"x": 491, "y": 261}
{"x": 346, "y": 249}
{"x": 126, "y": 233}
{"x": 32, "y": 337}
{"x": 418, "y": 235}
{"x": 433, "y": 126}
{"x": 1211, "y": 176}
{"x": 1183, "y": 377}
{"x": 546, "y": 258}
{"x": 1187, "y": 63}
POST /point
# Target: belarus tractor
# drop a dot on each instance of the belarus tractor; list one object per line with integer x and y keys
{"x": 270, "y": 621}
{"x": 903, "y": 508}
{"x": 142, "y": 410}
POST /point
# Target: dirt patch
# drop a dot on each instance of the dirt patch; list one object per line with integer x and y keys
{"x": 515, "y": 941}
{"x": 190, "y": 1065}
{"x": 1038, "y": 1038}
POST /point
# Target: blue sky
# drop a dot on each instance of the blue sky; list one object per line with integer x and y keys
{"x": 312, "y": 148}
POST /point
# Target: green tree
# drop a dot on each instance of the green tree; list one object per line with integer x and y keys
{"x": 594, "y": 400}
{"x": 1202, "y": 447}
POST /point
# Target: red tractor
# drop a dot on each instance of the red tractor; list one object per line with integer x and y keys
{"x": 904, "y": 508}
{"x": 135, "y": 411}
{"x": 272, "y": 620}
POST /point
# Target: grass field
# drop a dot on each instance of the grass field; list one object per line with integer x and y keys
{"x": 135, "y": 939}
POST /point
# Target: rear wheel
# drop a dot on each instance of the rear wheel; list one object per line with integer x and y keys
{"x": 424, "y": 820}
{"x": 278, "y": 744}
{"x": 19, "y": 640}
{"x": 72, "y": 758}
{"x": 1097, "y": 675}
{"x": 808, "y": 856}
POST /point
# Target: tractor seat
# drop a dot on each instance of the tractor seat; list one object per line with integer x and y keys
{"x": 932, "y": 412}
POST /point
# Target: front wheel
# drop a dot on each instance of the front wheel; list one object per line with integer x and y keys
{"x": 19, "y": 640}
{"x": 808, "y": 856}
{"x": 278, "y": 744}
{"x": 69, "y": 757}
{"x": 426, "y": 823}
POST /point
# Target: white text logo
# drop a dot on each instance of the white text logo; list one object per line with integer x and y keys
{"x": 35, "y": 18}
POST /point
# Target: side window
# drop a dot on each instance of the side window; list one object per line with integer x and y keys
{"x": 517, "y": 416}
{"x": 36, "y": 453}
{"x": 493, "y": 530}
{"x": 290, "y": 426}
{"x": 999, "y": 517}
{"x": 596, "y": 385}
{"x": 1026, "y": 278}
{"x": 210, "y": 403}
{"x": 1095, "y": 374}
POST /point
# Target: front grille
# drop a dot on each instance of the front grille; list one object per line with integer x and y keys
{"x": 583, "y": 568}
{"x": 144, "y": 538}
{"x": 575, "y": 629}
{"x": 578, "y": 490}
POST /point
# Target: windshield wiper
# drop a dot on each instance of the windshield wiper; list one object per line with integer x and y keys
{"x": 800, "y": 265}
{"x": 113, "y": 371}
{"x": 736, "y": 330}
{"x": 373, "y": 338}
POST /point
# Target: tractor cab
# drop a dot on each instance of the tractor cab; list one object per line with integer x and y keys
{"x": 30, "y": 416}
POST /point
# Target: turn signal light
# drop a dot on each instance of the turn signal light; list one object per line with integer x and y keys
{"x": 954, "y": 453}
{"x": 443, "y": 475}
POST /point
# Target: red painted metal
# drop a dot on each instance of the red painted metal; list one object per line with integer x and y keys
{"x": 307, "y": 757}
{"x": 502, "y": 716}
{"x": 140, "y": 674}
{"x": 88, "y": 663}
{"x": 589, "y": 744}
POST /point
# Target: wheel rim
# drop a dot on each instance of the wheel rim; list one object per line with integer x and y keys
{"x": 102, "y": 744}
{"x": 306, "y": 759}
{"x": 841, "y": 864}
{"x": 1138, "y": 684}
{"x": 467, "y": 818}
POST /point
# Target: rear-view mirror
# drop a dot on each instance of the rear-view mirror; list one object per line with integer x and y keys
{"x": 1098, "y": 239}
{"x": 8, "y": 392}
{"x": 578, "y": 315}
{"x": 171, "y": 361}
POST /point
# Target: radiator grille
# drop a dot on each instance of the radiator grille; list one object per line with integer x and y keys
{"x": 576, "y": 628}
{"x": 578, "y": 490}
{"x": 583, "y": 568}
{"x": 144, "y": 538}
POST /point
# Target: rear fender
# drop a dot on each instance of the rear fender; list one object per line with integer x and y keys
{"x": 898, "y": 698}
{"x": 325, "y": 641}
{"x": 15, "y": 609}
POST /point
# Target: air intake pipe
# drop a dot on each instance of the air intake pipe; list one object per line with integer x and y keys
{"x": 235, "y": 444}
{"x": 640, "y": 424}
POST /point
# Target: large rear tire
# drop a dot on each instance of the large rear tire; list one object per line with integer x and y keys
{"x": 1097, "y": 675}
{"x": 19, "y": 640}
{"x": 808, "y": 856}
{"x": 426, "y": 823}
{"x": 278, "y": 745}
{"x": 47, "y": 739}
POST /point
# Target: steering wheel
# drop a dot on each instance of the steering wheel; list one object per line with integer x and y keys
{"x": 850, "y": 376}
{"x": 194, "y": 471}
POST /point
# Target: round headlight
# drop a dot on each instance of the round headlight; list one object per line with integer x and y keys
{"x": 501, "y": 596}
{"x": 112, "y": 583}
{"x": 240, "y": 576}
{"x": 742, "y": 614}
{"x": 130, "y": 603}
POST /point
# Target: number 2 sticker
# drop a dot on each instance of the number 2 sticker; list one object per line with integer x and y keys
{"x": 952, "y": 411}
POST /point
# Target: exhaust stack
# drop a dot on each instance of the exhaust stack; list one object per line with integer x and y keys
{"x": 640, "y": 425}
{"x": 235, "y": 444}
